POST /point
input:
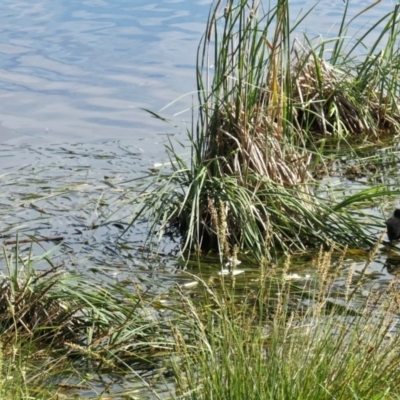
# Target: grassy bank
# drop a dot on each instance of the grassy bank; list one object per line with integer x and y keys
{"x": 62, "y": 333}
{"x": 277, "y": 335}
{"x": 295, "y": 337}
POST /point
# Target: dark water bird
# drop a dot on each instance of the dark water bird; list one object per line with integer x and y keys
{"x": 393, "y": 226}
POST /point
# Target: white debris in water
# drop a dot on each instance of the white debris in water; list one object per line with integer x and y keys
{"x": 229, "y": 272}
{"x": 157, "y": 165}
{"x": 291, "y": 277}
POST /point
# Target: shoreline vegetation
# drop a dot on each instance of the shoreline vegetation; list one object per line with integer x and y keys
{"x": 277, "y": 117}
{"x": 332, "y": 333}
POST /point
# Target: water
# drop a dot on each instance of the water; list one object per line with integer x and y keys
{"x": 80, "y": 71}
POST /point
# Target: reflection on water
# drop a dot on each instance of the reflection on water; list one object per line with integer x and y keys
{"x": 392, "y": 263}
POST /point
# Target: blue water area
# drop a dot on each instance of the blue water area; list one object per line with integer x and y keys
{"x": 82, "y": 70}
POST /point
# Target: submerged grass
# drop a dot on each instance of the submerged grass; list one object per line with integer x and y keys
{"x": 266, "y": 111}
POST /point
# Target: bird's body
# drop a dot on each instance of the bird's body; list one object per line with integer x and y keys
{"x": 393, "y": 226}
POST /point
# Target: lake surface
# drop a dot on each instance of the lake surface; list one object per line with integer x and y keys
{"x": 80, "y": 71}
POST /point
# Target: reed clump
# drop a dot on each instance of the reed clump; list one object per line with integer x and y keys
{"x": 78, "y": 318}
{"x": 329, "y": 101}
{"x": 266, "y": 109}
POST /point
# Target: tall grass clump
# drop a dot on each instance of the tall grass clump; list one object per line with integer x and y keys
{"x": 263, "y": 108}
{"x": 303, "y": 339}
{"x": 60, "y": 331}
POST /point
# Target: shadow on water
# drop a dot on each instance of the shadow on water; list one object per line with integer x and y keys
{"x": 392, "y": 263}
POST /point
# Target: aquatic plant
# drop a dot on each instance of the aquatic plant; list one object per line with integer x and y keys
{"x": 265, "y": 111}
{"x": 75, "y": 326}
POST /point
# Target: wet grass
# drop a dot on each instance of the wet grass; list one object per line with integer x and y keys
{"x": 75, "y": 327}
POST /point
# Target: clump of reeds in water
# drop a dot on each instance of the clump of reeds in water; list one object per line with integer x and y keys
{"x": 262, "y": 110}
{"x": 70, "y": 319}
{"x": 330, "y": 100}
